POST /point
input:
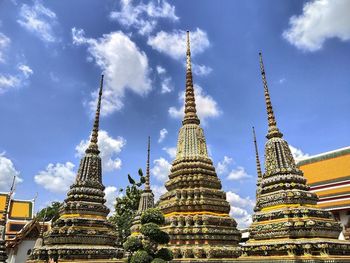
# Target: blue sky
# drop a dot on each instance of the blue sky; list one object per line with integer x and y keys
{"x": 52, "y": 54}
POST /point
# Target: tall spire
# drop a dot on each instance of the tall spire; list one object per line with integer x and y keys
{"x": 190, "y": 103}
{"x": 147, "y": 183}
{"x": 258, "y": 166}
{"x": 258, "y": 170}
{"x": 273, "y": 130}
{"x": 93, "y": 147}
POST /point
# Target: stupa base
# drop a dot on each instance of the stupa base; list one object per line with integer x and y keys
{"x": 204, "y": 253}
{"x": 313, "y": 250}
{"x": 3, "y": 255}
{"x": 295, "y": 259}
{"x": 78, "y": 254}
{"x": 80, "y": 261}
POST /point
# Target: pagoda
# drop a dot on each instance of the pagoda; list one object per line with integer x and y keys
{"x": 258, "y": 169}
{"x": 3, "y": 222}
{"x": 195, "y": 207}
{"x": 82, "y": 232}
{"x": 147, "y": 196}
{"x": 287, "y": 226}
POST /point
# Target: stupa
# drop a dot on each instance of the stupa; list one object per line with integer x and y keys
{"x": 3, "y": 253}
{"x": 82, "y": 232}
{"x": 195, "y": 207}
{"x": 258, "y": 169}
{"x": 147, "y": 196}
{"x": 3, "y": 222}
{"x": 287, "y": 226}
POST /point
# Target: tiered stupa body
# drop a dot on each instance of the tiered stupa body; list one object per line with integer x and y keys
{"x": 3, "y": 221}
{"x": 195, "y": 207}
{"x": 147, "y": 196}
{"x": 3, "y": 254}
{"x": 82, "y": 232}
{"x": 287, "y": 226}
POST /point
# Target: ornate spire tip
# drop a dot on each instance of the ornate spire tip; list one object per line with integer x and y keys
{"x": 273, "y": 131}
{"x": 147, "y": 183}
{"x": 93, "y": 147}
{"x": 190, "y": 104}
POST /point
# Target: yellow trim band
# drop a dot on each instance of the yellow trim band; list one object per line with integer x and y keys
{"x": 196, "y": 213}
{"x": 82, "y": 215}
{"x": 284, "y": 206}
{"x": 297, "y": 219}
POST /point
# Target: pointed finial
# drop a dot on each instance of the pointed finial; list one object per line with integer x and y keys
{"x": 6, "y": 207}
{"x": 12, "y": 189}
{"x": 258, "y": 166}
{"x": 273, "y": 131}
{"x": 42, "y": 226}
{"x": 93, "y": 147}
{"x": 190, "y": 103}
{"x": 147, "y": 183}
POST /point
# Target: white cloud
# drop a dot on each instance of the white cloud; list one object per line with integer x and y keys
{"x": 223, "y": 166}
{"x": 109, "y": 147}
{"x": 234, "y": 173}
{"x": 238, "y": 174}
{"x": 298, "y": 154}
{"x": 161, "y": 169}
{"x": 174, "y": 43}
{"x": 166, "y": 85}
{"x": 201, "y": 70}
{"x": 143, "y": 17}
{"x": 56, "y": 177}
{"x": 160, "y": 70}
{"x": 39, "y": 20}
{"x": 14, "y": 80}
{"x": 165, "y": 81}
{"x": 110, "y": 196}
{"x": 124, "y": 65}
{"x": 4, "y": 43}
{"x": 282, "y": 80}
{"x": 206, "y": 106}
{"x": 8, "y": 81}
{"x": 241, "y": 209}
{"x": 162, "y": 134}
{"x": 7, "y": 172}
{"x": 158, "y": 190}
{"x": 320, "y": 20}
{"x": 26, "y": 70}
{"x": 171, "y": 151}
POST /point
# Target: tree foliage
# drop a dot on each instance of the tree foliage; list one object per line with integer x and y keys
{"x": 152, "y": 215}
{"x": 141, "y": 256}
{"x": 51, "y": 212}
{"x": 158, "y": 260}
{"x": 151, "y": 236}
{"x": 132, "y": 244}
{"x": 126, "y": 207}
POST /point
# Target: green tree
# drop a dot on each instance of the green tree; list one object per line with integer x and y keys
{"x": 51, "y": 212}
{"x": 144, "y": 248}
{"x": 126, "y": 207}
